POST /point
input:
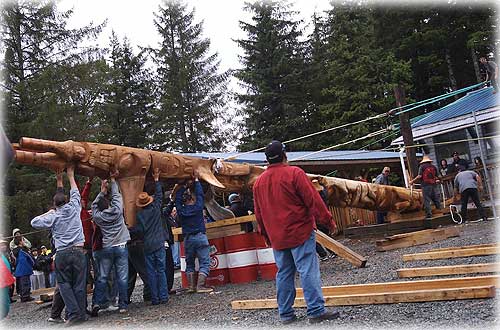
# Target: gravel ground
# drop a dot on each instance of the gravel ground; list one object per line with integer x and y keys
{"x": 214, "y": 310}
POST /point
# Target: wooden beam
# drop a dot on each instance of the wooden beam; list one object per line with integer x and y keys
{"x": 447, "y": 254}
{"x": 446, "y": 283}
{"x": 221, "y": 223}
{"x": 417, "y": 238}
{"x": 466, "y": 247}
{"x": 341, "y": 250}
{"x": 448, "y": 270}
{"x": 380, "y": 298}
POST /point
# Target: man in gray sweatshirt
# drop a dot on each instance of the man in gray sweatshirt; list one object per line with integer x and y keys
{"x": 467, "y": 184}
{"x": 71, "y": 262}
{"x": 109, "y": 217}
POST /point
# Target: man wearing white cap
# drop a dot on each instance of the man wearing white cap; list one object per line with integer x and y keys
{"x": 429, "y": 180}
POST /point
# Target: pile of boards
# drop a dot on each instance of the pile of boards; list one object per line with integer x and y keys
{"x": 410, "y": 291}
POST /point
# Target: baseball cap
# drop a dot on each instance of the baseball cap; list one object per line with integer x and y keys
{"x": 274, "y": 151}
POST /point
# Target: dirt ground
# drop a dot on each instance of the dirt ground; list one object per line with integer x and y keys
{"x": 213, "y": 311}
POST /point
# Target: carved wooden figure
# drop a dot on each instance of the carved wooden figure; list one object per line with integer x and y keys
{"x": 96, "y": 159}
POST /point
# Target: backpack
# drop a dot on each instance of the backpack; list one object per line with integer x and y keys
{"x": 429, "y": 175}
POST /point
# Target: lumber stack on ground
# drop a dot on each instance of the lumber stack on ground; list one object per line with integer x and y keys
{"x": 417, "y": 238}
{"x": 448, "y": 270}
{"x": 340, "y": 249}
{"x": 455, "y": 253}
{"x": 392, "y": 292}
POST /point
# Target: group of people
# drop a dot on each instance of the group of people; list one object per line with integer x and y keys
{"x": 99, "y": 238}
{"x": 33, "y": 268}
{"x": 467, "y": 184}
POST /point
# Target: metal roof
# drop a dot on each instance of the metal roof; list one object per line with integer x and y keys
{"x": 338, "y": 155}
{"x": 473, "y": 101}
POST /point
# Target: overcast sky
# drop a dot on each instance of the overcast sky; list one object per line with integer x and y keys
{"x": 134, "y": 19}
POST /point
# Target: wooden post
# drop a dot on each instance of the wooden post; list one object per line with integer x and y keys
{"x": 405, "y": 127}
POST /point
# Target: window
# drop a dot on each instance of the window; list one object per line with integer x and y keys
{"x": 445, "y": 151}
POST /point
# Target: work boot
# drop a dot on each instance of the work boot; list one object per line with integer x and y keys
{"x": 191, "y": 284}
{"x": 201, "y": 287}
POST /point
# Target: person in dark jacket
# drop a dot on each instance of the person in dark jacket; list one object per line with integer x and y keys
{"x": 24, "y": 269}
{"x": 190, "y": 211}
{"x": 149, "y": 221}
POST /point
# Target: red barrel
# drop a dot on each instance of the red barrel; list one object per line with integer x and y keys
{"x": 219, "y": 272}
{"x": 265, "y": 257}
{"x": 241, "y": 258}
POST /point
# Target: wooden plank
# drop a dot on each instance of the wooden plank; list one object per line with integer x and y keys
{"x": 447, "y": 254}
{"x": 47, "y": 297}
{"x": 446, "y": 283}
{"x": 417, "y": 238}
{"x": 464, "y": 247}
{"x": 380, "y": 298}
{"x": 341, "y": 250}
{"x": 221, "y": 223}
{"x": 448, "y": 270}
{"x": 231, "y": 230}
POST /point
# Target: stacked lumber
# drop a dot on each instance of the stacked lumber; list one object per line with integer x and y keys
{"x": 417, "y": 238}
{"x": 448, "y": 270}
{"x": 392, "y": 292}
{"x": 456, "y": 252}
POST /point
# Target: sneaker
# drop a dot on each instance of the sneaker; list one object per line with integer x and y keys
{"x": 164, "y": 302}
{"x": 289, "y": 321}
{"x": 332, "y": 255}
{"x": 324, "y": 317}
{"x": 110, "y": 308}
{"x": 55, "y": 320}
{"x": 325, "y": 258}
{"x": 123, "y": 310}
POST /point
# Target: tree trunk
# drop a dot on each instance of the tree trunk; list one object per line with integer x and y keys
{"x": 451, "y": 74}
{"x": 406, "y": 132}
{"x": 476, "y": 65}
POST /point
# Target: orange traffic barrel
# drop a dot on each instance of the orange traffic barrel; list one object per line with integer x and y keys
{"x": 265, "y": 257}
{"x": 219, "y": 272}
{"x": 241, "y": 258}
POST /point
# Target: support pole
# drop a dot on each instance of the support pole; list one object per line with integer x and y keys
{"x": 406, "y": 132}
{"x": 486, "y": 174}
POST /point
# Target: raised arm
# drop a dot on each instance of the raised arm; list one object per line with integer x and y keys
{"x": 86, "y": 191}
{"x": 96, "y": 213}
{"x": 158, "y": 188}
{"x": 75, "y": 198}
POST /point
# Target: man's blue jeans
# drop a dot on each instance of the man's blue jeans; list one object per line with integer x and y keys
{"x": 302, "y": 259}
{"x": 155, "y": 267}
{"x": 111, "y": 288}
{"x": 71, "y": 272}
{"x": 175, "y": 253}
{"x": 116, "y": 256}
{"x": 197, "y": 246}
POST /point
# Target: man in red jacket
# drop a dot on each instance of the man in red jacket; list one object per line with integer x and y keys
{"x": 286, "y": 208}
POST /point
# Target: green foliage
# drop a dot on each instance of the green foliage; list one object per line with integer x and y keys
{"x": 273, "y": 76}
{"x": 192, "y": 91}
{"x": 129, "y": 98}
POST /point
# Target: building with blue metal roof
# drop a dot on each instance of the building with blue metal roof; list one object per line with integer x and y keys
{"x": 452, "y": 128}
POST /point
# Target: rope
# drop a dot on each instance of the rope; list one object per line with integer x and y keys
{"x": 435, "y": 99}
{"x": 413, "y": 106}
{"x": 341, "y": 144}
{"x": 310, "y": 135}
{"x": 456, "y": 211}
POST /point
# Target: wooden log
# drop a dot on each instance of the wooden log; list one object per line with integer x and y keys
{"x": 417, "y": 238}
{"x": 447, "y": 254}
{"x": 341, "y": 250}
{"x": 380, "y": 298}
{"x": 448, "y": 270}
{"x": 446, "y": 283}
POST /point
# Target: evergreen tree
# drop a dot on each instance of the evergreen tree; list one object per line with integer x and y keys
{"x": 38, "y": 47}
{"x": 129, "y": 98}
{"x": 273, "y": 76}
{"x": 192, "y": 91}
